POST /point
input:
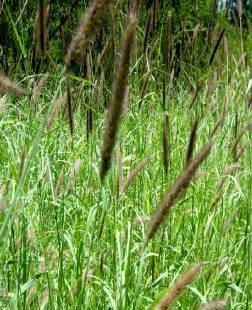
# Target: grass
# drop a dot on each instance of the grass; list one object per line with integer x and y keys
{"x": 82, "y": 250}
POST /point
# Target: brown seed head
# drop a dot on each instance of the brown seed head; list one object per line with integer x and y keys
{"x": 180, "y": 285}
{"x": 134, "y": 173}
{"x": 9, "y": 87}
{"x": 118, "y": 97}
{"x": 88, "y": 25}
{"x": 177, "y": 188}
{"x": 217, "y": 304}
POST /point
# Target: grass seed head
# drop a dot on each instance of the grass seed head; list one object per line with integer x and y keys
{"x": 177, "y": 188}
{"x": 119, "y": 90}
{"x": 9, "y": 87}
{"x": 217, "y": 304}
{"x": 179, "y": 286}
{"x": 134, "y": 173}
{"x": 88, "y": 25}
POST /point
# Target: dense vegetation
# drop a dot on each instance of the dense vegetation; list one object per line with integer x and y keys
{"x": 126, "y": 164}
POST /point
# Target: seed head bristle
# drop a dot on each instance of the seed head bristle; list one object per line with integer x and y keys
{"x": 216, "y": 47}
{"x": 192, "y": 140}
{"x": 88, "y": 25}
{"x": 177, "y": 188}
{"x": 55, "y": 109}
{"x": 118, "y": 95}
{"x": 10, "y": 87}
{"x": 38, "y": 88}
{"x": 179, "y": 286}
{"x": 134, "y": 173}
{"x": 40, "y": 35}
{"x": 73, "y": 174}
{"x": 217, "y": 304}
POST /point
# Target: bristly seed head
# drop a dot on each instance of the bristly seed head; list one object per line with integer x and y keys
{"x": 88, "y": 25}
{"x": 118, "y": 97}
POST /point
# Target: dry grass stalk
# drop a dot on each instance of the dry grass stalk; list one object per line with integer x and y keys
{"x": 73, "y": 174}
{"x": 117, "y": 101}
{"x": 88, "y": 25}
{"x": 134, "y": 173}
{"x": 179, "y": 286}
{"x": 217, "y": 304}
{"x": 9, "y": 87}
{"x": 70, "y": 108}
{"x": 166, "y": 144}
{"x": 38, "y": 88}
{"x": 58, "y": 103}
{"x": 177, "y": 189}
{"x": 192, "y": 140}
{"x": 216, "y": 47}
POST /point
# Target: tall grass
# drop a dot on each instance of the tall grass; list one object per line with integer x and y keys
{"x": 178, "y": 190}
